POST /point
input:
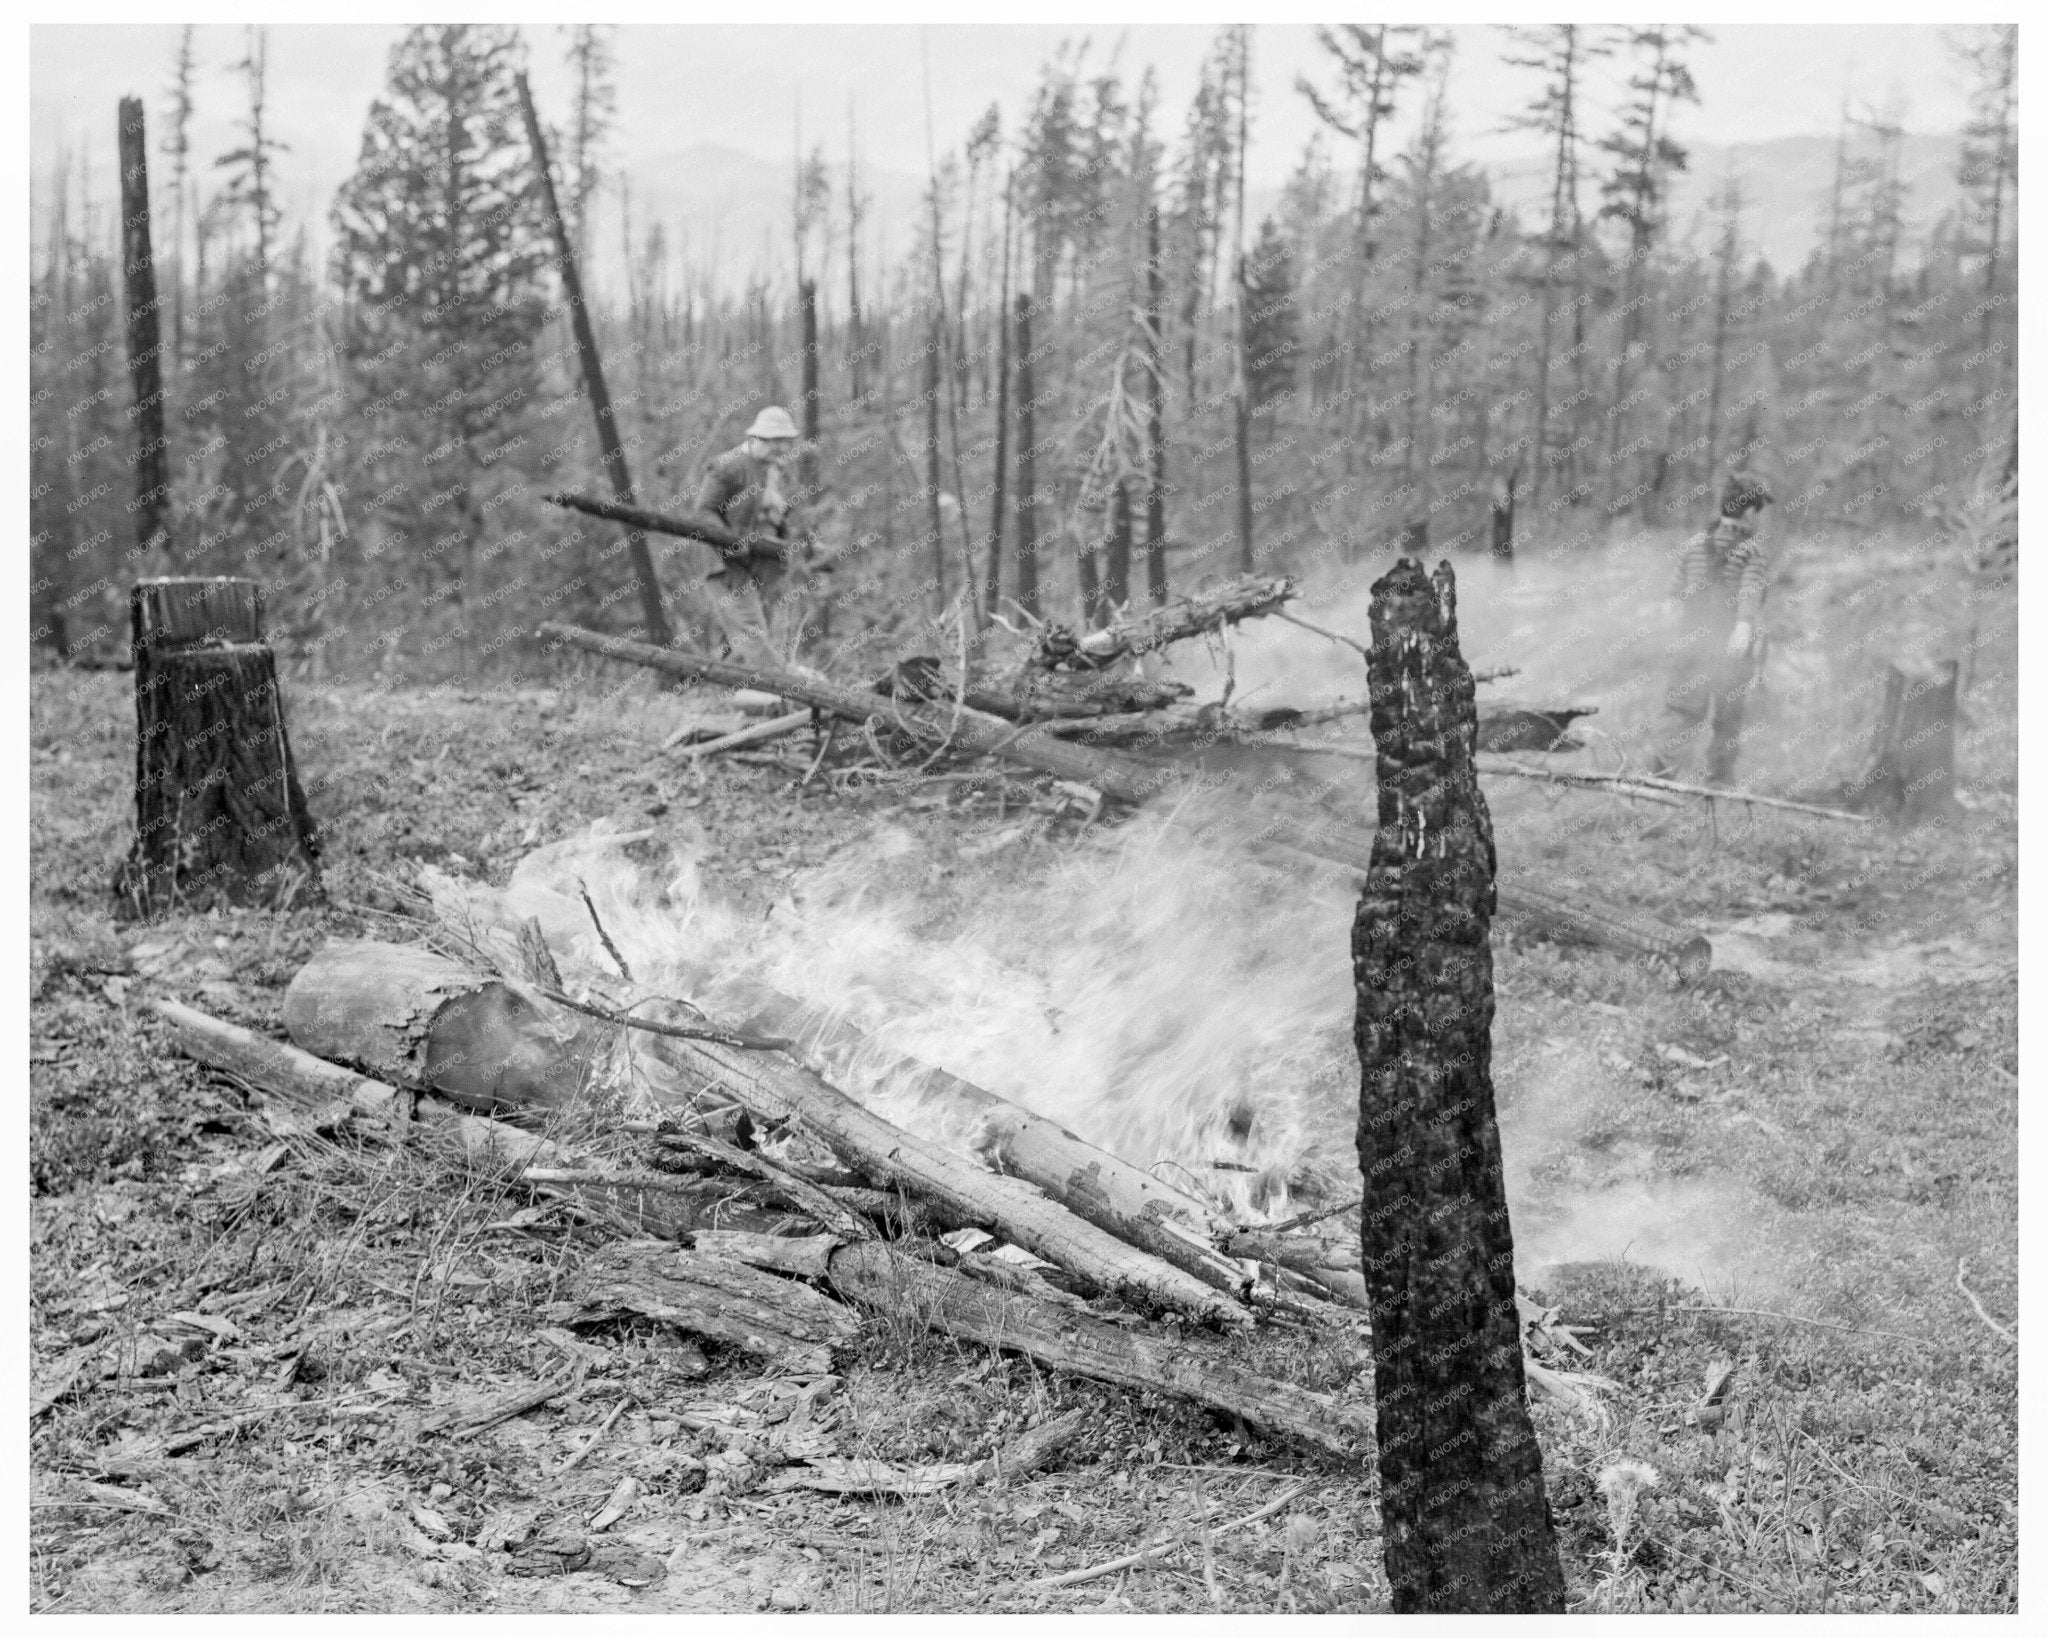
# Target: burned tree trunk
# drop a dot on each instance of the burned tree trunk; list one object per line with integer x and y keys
{"x": 1155, "y": 414}
{"x": 145, "y": 363}
{"x": 807, "y": 462}
{"x": 1910, "y": 775}
{"x": 1116, "y": 578}
{"x": 652, "y": 613}
{"x": 1501, "y": 514}
{"x": 1464, "y": 1519}
{"x": 219, "y": 815}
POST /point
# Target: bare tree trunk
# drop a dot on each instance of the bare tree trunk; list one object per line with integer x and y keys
{"x": 145, "y": 363}
{"x": 1116, "y": 580}
{"x": 934, "y": 341}
{"x": 995, "y": 510}
{"x": 1027, "y": 466}
{"x": 807, "y": 296}
{"x": 1464, "y": 1518}
{"x": 653, "y": 615}
{"x": 1155, "y": 412}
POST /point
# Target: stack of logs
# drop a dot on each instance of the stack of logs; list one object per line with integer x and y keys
{"x": 1040, "y": 1243}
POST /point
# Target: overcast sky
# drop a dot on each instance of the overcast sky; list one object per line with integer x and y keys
{"x": 744, "y": 86}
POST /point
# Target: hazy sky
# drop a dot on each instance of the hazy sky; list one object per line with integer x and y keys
{"x": 742, "y": 86}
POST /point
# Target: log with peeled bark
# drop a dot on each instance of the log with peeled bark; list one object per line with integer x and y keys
{"x": 421, "y": 1021}
{"x": 773, "y": 1085}
{"x": 311, "y": 1094}
{"x": 1123, "y": 1199}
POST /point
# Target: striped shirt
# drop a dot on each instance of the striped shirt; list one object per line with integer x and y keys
{"x": 1726, "y": 564}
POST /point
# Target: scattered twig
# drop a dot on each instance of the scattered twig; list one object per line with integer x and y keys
{"x": 1307, "y": 1218}
{"x": 1641, "y": 784}
{"x": 1767, "y": 1313}
{"x": 591, "y": 1443}
{"x": 753, "y": 734}
{"x": 1962, "y": 1268}
{"x": 654, "y": 1026}
{"x": 1132, "y": 1561}
{"x": 474, "y": 1419}
{"x": 610, "y": 948}
{"x": 1320, "y": 631}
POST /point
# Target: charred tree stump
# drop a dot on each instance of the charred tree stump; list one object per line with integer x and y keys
{"x": 1910, "y": 776}
{"x": 145, "y": 363}
{"x": 219, "y": 815}
{"x": 1464, "y": 1519}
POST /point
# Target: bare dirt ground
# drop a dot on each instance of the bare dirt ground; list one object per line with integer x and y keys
{"x": 237, "y": 1335}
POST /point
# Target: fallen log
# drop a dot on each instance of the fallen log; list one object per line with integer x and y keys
{"x": 1130, "y": 781}
{"x": 781, "y": 1320}
{"x": 1629, "y": 784}
{"x": 965, "y": 729}
{"x": 1189, "y": 615}
{"x": 419, "y": 1020}
{"x": 778, "y": 1087}
{"x": 697, "y": 526}
{"x": 318, "y": 1095}
{"x": 877, "y": 1275}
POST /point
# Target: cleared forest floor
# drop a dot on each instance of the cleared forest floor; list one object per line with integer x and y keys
{"x": 1817, "y": 1134}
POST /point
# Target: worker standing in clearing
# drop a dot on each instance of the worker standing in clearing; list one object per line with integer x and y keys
{"x": 1720, "y": 597}
{"x": 748, "y": 490}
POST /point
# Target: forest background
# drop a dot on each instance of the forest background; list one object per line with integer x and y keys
{"x": 1102, "y": 362}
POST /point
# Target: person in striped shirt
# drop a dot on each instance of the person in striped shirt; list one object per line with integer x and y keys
{"x": 1722, "y": 577}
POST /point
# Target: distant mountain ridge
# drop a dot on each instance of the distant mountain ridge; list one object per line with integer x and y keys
{"x": 720, "y": 203}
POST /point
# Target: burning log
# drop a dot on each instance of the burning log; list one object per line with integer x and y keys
{"x": 1095, "y": 1185}
{"x": 419, "y": 1020}
{"x": 1189, "y": 615}
{"x": 219, "y": 815}
{"x": 776, "y": 1086}
{"x": 1464, "y": 1517}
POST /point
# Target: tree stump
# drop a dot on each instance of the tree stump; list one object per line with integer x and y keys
{"x": 1464, "y": 1518}
{"x": 1910, "y": 774}
{"x": 219, "y": 815}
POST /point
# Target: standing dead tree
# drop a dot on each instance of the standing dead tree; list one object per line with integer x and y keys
{"x": 1464, "y": 1518}
{"x": 145, "y": 362}
{"x": 652, "y": 614}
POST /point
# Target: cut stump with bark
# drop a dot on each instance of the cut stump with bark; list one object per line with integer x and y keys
{"x": 1909, "y": 776}
{"x": 220, "y": 819}
{"x": 1465, "y": 1521}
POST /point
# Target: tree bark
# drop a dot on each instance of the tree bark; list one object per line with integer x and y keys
{"x": 220, "y": 818}
{"x": 1116, "y": 578}
{"x": 808, "y": 461}
{"x": 994, "y": 561}
{"x": 1465, "y": 1521}
{"x": 420, "y": 1021}
{"x": 145, "y": 353}
{"x": 652, "y": 613}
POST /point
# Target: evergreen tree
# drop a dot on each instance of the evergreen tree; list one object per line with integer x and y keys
{"x": 1272, "y": 318}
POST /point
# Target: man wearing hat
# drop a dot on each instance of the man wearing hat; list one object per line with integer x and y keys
{"x": 747, "y": 489}
{"x": 1720, "y": 595}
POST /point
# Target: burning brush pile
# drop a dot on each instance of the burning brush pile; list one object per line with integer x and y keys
{"x": 774, "y": 1162}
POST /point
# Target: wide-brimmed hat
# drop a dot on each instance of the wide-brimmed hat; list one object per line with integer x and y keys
{"x": 1745, "y": 489}
{"x": 773, "y": 422}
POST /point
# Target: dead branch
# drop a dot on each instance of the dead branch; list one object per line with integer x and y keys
{"x": 1962, "y": 1268}
{"x": 1152, "y": 1555}
{"x": 1646, "y": 785}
